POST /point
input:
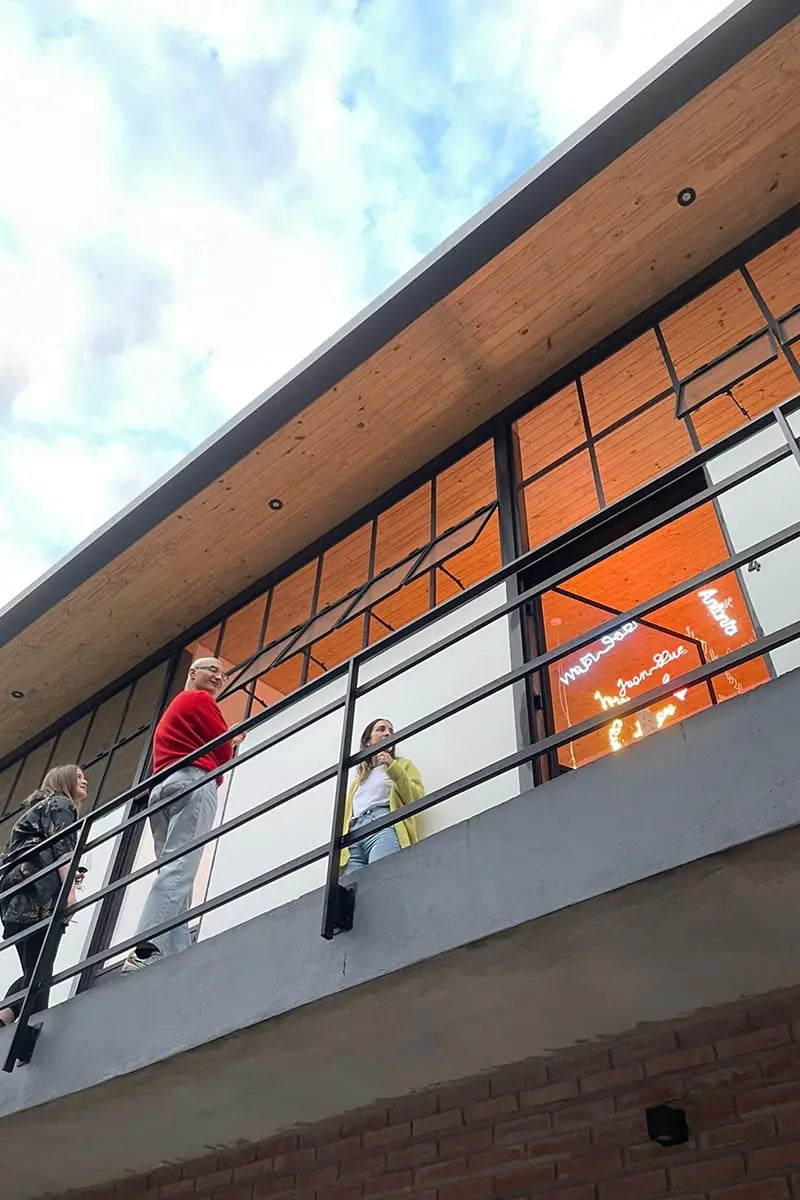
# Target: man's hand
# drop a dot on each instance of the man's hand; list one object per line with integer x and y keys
{"x": 237, "y": 741}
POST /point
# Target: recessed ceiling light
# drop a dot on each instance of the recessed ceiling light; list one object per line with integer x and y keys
{"x": 17, "y": 695}
{"x": 276, "y": 505}
{"x": 686, "y": 196}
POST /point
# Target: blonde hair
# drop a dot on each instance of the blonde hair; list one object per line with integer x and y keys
{"x": 60, "y": 781}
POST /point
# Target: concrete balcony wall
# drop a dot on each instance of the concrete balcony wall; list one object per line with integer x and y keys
{"x": 623, "y": 893}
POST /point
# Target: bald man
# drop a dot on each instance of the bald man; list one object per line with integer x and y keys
{"x": 189, "y": 721}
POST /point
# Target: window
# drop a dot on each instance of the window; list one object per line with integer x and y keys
{"x": 550, "y": 430}
{"x": 624, "y": 382}
{"x": 435, "y": 542}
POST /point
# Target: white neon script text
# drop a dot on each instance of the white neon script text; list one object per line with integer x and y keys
{"x": 624, "y": 686}
{"x": 587, "y": 661}
{"x": 719, "y": 610}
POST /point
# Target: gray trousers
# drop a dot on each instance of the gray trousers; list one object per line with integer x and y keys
{"x": 173, "y": 826}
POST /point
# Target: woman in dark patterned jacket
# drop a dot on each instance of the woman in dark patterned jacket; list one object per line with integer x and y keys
{"x": 56, "y": 805}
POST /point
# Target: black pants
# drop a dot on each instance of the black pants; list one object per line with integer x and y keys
{"x": 28, "y": 951}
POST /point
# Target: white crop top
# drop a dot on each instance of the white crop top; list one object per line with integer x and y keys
{"x": 374, "y": 792}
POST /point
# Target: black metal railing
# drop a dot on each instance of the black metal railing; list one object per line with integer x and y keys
{"x": 338, "y": 902}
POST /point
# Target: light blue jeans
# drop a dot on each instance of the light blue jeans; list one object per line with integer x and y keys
{"x": 173, "y": 826}
{"x": 374, "y": 845}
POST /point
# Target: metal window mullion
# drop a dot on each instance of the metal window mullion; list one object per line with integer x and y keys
{"x": 314, "y": 602}
{"x": 773, "y": 324}
{"x": 251, "y": 695}
{"x": 373, "y": 549}
{"x": 123, "y": 857}
{"x": 433, "y": 528}
{"x": 598, "y": 483}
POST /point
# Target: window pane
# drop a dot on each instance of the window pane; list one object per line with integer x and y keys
{"x": 105, "y": 727}
{"x": 206, "y": 645}
{"x": 121, "y": 773}
{"x": 406, "y": 526}
{"x": 755, "y": 395}
{"x": 291, "y": 602}
{"x": 473, "y": 564}
{"x": 32, "y": 773}
{"x": 410, "y": 602}
{"x": 728, "y": 373}
{"x": 560, "y": 499}
{"x": 242, "y": 632}
{"x": 320, "y": 625}
{"x": 70, "y": 741}
{"x": 144, "y": 702}
{"x": 344, "y": 566}
{"x": 776, "y": 274}
{"x": 450, "y": 543}
{"x": 665, "y": 644}
{"x": 464, "y": 487}
{"x": 5, "y": 830}
{"x": 381, "y": 586}
{"x": 550, "y": 430}
{"x": 713, "y": 323}
{"x": 7, "y": 778}
{"x": 339, "y": 646}
{"x": 260, "y": 663}
{"x": 624, "y": 382}
{"x": 790, "y": 328}
{"x": 641, "y": 449}
{"x": 286, "y": 677}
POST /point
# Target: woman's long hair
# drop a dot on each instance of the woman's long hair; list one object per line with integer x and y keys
{"x": 59, "y": 781}
{"x": 363, "y": 769}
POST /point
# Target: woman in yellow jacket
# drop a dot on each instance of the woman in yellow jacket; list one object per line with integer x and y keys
{"x": 383, "y": 783}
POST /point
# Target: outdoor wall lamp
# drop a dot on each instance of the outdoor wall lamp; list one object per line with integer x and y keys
{"x": 17, "y": 695}
{"x": 275, "y": 504}
{"x": 667, "y": 1125}
{"x": 686, "y": 196}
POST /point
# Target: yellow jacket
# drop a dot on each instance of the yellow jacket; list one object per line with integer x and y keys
{"x": 407, "y": 787}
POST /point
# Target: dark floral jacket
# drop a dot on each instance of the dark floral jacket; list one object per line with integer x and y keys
{"x": 43, "y": 819}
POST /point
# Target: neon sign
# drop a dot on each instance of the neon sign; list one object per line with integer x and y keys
{"x": 647, "y": 722}
{"x": 608, "y": 642}
{"x": 718, "y": 609}
{"x": 624, "y": 686}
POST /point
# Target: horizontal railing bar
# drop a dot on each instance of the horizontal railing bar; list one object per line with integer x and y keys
{"x": 701, "y": 674}
{"x": 40, "y": 874}
{"x": 146, "y": 785}
{"x": 24, "y": 933}
{"x": 233, "y": 894}
{"x": 213, "y": 835}
{"x": 131, "y": 737}
{"x": 546, "y": 658}
{"x": 471, "y": 593}
{"x": 239, "y": 761}
{"x": 486, "y": 690}
{"x": 589, "y": 560}
{"x": 554, "y": 741}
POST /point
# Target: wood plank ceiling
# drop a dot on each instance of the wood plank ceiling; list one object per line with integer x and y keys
{"x": 603, "y": 255}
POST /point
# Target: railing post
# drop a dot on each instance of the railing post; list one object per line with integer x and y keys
{"x": 25, "y": 1034}
{"x": 337, "y": 915}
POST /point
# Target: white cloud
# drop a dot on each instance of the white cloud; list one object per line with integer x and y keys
{"x": 196, "y": 194}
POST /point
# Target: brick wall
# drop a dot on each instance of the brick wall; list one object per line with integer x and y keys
{"x": 571, "y": 1127}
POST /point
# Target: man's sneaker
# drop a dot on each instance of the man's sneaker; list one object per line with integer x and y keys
{"x": 134, "y": 963}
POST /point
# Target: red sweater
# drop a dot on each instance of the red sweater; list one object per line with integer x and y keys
{"x": 190, "y": 720}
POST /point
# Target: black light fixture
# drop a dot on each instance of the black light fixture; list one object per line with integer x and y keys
{"x": 275, "y": 504}
{"x": 667, "y": 1125}
{"x": 686, "y": 196}
{"x": 17, "y": 695}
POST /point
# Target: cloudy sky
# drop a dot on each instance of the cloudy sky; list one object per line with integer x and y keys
{"x": 195, "y": 193}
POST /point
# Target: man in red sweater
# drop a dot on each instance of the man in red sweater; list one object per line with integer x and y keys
{"x": 189, "y": 721}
